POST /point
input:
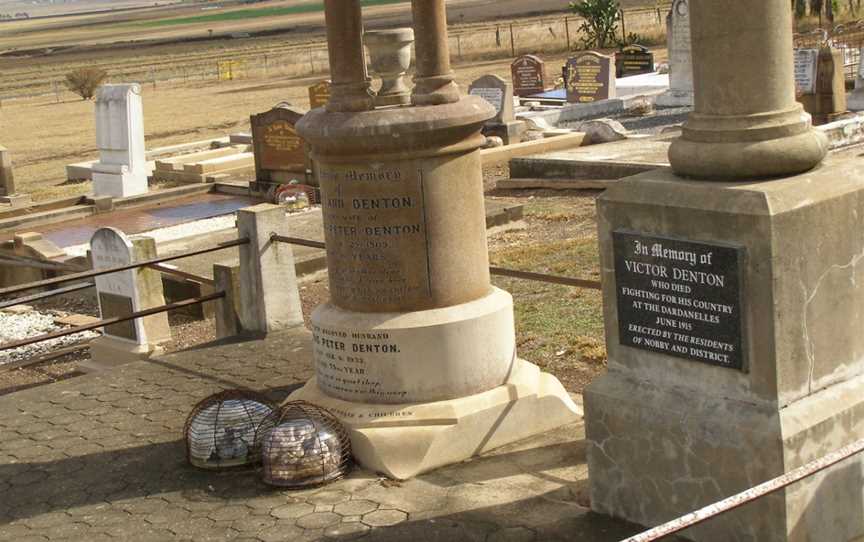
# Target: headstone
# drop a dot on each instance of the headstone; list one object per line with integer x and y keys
{"x": 678, "y": 41}
{"x": 529, "y": 75}
{"x": 497, "y": 92}
{"x": 826, "y": 101}
{"x": 8, "y": 195}
{"x": 633, "y": 60}
{"x": 806, "y": 64}
{"x": 855, "y": 100}
{"x": 125, "y": 292}
{"x": 319, "y": 94}
{"x": 121, "y": 171}
{"x": 590, "y": 78}
{"x": 280, "y": 154}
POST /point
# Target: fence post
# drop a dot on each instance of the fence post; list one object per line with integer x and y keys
{"x": 567, "y": 31}
{"x": 227, "y": 279}
{"x": 512, "y": 42}
{"x": 269, "y": 298}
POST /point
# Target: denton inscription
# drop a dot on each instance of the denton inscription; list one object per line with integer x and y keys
{"x": 680, "y": 298}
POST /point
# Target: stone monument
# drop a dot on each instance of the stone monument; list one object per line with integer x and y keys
{"x": 855, "y": 100}
{"x": 499, "y": 93}
{"x": 826, "y": 102}
{"x": 680, "y": 47}
{"x": 390, "y": 58}
{"x": 122, "y": 168}
{"x": 121, "y": 294}
{"x": 589, "y": 78}
{"x": 319, "y": 94}
{"x": 415, "y": 352}
{"x": 732, "y": 307}
{"x": 633, "y": 59}
{"x": 8, "y": 195}
{"x": 529, "y": 75}
{"x": 280, "y": 154}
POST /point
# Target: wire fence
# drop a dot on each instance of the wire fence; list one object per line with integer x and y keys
{"x": 848, "y": 38}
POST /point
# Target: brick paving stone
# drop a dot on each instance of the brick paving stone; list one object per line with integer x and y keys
{"x": 283, "y": 531}
{"x": 229, "y": 513}
{"x": 168, "y": 515}
{"x": 355, "y": 508}
{"x": 324, "y": 508}
{"x": 513, "y": 534}
{"x": 292, "y": 511}
{"x": 319, "y": 520}
{"x": 347, "y": 531}
{"x": 384, "y": 518}
{"x": 253, "y": 524}
{"x": 67, "y": 530}
{"x": 328, "y": 497}
{"x": 47, "y": 520}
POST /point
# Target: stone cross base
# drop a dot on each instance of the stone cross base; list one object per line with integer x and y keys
{"x": 403, "y": 441}
{"x": 109, "y": 353}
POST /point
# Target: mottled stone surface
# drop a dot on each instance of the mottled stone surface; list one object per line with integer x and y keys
{"x": 669, "y": 435}
{"x": 101, "y": 457}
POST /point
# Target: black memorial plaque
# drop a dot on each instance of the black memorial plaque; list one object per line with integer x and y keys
{"x": 680, "y": 298}
{"x": 118, "y": 306}
{"x": 633, "y": 60}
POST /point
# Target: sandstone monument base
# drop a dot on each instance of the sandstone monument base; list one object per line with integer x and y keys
{"x": 109, "y": 352}
{"x": 671, "y": 433}
{"x": 405, "y": 440}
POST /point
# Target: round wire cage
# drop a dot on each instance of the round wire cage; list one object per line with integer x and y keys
{"x": 221, "y": 431}
{"x": 303, "y": 445}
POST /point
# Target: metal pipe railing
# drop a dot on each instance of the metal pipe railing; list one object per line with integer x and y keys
{"x": 45, "y": 295}
{"x": 499, "y": 271}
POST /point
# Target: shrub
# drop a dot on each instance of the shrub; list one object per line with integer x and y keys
{"x": 601, "y": 21}
{"x": 85, "y": 81}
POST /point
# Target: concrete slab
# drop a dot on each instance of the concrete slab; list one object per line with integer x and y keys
{"x": 605, "y": 161}
{"x": 101, "y": 457}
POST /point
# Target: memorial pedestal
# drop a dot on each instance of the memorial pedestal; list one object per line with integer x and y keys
{"x": 416, "y": 350}
{"x": 732, "y": 314}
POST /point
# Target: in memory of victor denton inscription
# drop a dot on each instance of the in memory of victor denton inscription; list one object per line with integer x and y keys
{"x": 680, "y": 298}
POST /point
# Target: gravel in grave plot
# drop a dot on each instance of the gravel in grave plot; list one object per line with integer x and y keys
{"x": 15, "y": 326}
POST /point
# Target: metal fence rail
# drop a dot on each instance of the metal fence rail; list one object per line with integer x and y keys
{"x": 735, "y": 501}
{"x": 112, "y": 321}
{"x": 45, "y": 295}
{"x": 499, "y": 271}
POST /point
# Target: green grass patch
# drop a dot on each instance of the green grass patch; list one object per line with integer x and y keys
{"x": 560, "y": 328}
{"x": 243, "y": 14}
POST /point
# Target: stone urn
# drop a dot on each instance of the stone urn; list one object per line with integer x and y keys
{"x": 390, "y": 58}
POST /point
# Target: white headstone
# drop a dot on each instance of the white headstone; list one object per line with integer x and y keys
{"x": 121, "y": 171}
{"x": 678, "y": 41}
{"x": 498, "y": 92}
{"x": 855, "y": 99}
{"x": 118, "y": 293}
{"x": 806, "y": 65}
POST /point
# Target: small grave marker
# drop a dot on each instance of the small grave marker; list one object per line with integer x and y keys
{"x": 319, "y": 94}
{"x": 590, "y": 78}
{"x": 497, "y": 92}
{"x": 634, "y": 60}
{"x": 529, "y": 75}
{"x": 806, "y": 65}
{"x": 276, "y": 144}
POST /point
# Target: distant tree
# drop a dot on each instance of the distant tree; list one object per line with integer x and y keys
{"x": 85, "y": 81}
{"x": 601, "y": 21}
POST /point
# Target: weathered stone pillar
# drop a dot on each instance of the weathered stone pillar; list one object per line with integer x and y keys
{"x": 433, "y": 82}
{"x": 733, "y": 309}
{"x": 746, "y": 121}
{"x": 414, "y": 332}
{"x": 8, "y": 194}
{"x": 350, "y": 88}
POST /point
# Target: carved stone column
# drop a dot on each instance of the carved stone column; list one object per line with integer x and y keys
{"x": 350, "y": 90}
{"x": 433, "y": 83}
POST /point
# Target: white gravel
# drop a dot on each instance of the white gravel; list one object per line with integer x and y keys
{"x": 18, "y": 326}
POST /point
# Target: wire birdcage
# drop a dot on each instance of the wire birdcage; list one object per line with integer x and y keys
{"x": 303, "y": 445}
{"x": 221, "y": 430}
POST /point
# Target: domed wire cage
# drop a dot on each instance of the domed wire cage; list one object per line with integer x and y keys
{"x": 221, "y": 431}
{"x": 303, "y": 445}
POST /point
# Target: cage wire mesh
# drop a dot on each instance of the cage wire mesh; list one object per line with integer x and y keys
{"x": 303, "y": 445}
{"x": 221, "y": 430}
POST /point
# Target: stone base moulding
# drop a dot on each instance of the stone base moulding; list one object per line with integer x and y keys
{"x": 118, "y": 184}
{"x": 108, "y": 353}
{"x": 403, "y": 441}
{"x": 417, "y": 356}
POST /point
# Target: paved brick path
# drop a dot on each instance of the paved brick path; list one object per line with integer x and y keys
{"x": 101, "y": 458}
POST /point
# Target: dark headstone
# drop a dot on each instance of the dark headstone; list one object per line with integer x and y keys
{"x": 529, "y": 75}
{"x": 276, "y": 144}
{"x": 319, "y": 94}
{"x": 497, "y": 92}
{"x": 680, "y": 298}
{"x": 590, "y": 78}
{"x": 634, "y": 60}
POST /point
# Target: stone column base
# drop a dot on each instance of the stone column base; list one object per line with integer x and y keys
{"x": 403, "y": 441}
{"x": 107, "y": 353}
{"x": 119, "y": 185}
{"x": 674, "y": 98}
